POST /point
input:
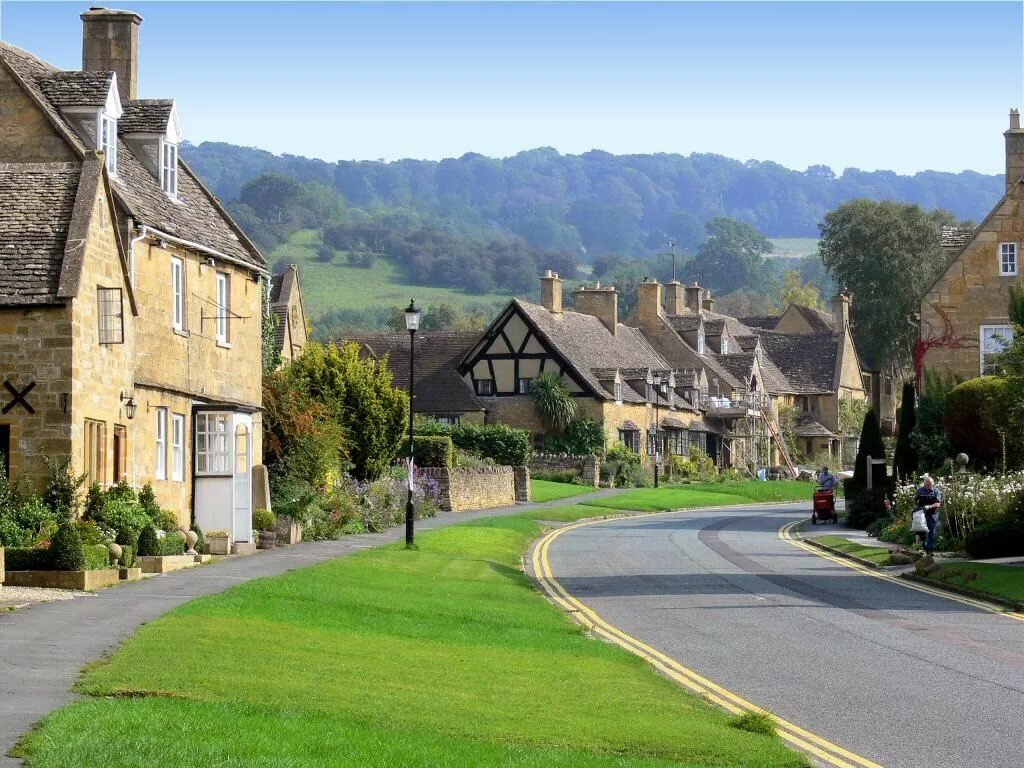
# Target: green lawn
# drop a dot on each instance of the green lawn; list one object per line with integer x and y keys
{"x": 335, "y": 285}
{"x": 548, "y": 490}
{"x": 568, "y": 514}
{"x": 707, "y": 495}
{"x": 878, "y": 555}
{"x": 442, "y": 656}
{"x": 1005, "y": 581}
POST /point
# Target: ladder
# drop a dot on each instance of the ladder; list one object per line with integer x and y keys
{"x": 779, "y": 441}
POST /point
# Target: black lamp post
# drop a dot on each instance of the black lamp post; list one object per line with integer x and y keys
{"x": 412, "y": 324}
{"x": 657, "y": 424}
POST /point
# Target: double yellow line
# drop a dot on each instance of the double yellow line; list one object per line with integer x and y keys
{"x": 786, "y": 533}
{"x": 829, "y": 753}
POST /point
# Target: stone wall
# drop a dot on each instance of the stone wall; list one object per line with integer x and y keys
{"x": 463, "y": 489}
{"x": 588, "y": 467}
{"x": 26, "y": 136}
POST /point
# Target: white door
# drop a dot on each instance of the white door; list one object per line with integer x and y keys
{"x": 242, "y": 479}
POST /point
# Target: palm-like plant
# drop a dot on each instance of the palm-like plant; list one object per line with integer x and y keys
{"x": 553, "y": 402}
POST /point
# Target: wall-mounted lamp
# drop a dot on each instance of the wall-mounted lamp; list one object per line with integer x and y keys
{"x": 129, "y": 405}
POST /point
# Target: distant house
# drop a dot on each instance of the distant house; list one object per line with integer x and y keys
{"x": 964, "y": 316}
{"x": 441, "y": 393}
{"x": 289, "y": 314}
{"x": 130, "y": 302}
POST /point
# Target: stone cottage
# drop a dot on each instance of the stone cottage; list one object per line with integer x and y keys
{"x": 130, "y": 302}
{"x": 290, "y": 332}
{"x": 964, "y": 316}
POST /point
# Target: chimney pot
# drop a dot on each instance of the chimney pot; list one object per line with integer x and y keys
{"x": 1014, "y": 119}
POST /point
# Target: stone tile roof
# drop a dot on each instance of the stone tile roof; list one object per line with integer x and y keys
{"x": 36, "y": 204}
{"x": 197, "y": 216}
{"x": 761, "y": 321}
{"x": 439, "y": 387}
{"x": 740, "y": 365}
{"x": 685, "y": 323}
{"x": 955, "y": 238}
{"x": 145, "y": 116}
{"x": 820, "y": 322}
{"x": 586, "y": 343}
{"x": 808, "y": 427}
{"x": 282, "y": 285}
{"x": 77, "y": 89}
{"x": 808, "y": 361}
{"x": 747, "y": 343}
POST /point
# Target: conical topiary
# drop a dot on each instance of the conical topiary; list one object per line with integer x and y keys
{"x": 870, "y": 445}
{"x": 66, "y": 550}
{"x": 905, "y": 459}
{"x": 149, "y": 544}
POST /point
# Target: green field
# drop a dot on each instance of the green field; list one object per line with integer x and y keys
{"x": 878, "y": 555}
{"x": 441, "y": 656}
{"x": 794, "y": 247}
{"x": 335, "y": 285}
{"x": 1005, "y": 581}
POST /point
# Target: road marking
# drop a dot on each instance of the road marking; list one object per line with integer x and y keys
{"x": 831, "y": 754}
{"x": 786, "y": 534}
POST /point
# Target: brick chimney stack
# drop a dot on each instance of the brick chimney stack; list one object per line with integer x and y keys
{"x": 648, "y": 302}
{"x": 602, "y": 303}
{"x": 694, "y": 298}
{"x": 110, "y": 42}
{"x": 551, "y": 292}
{"x": 675, "y": 298}
{"x": 1014, "y": 151}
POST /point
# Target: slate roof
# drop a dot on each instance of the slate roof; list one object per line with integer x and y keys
{"x": 586, "y": 344}
{"x": 808, "y": 427}
{"x": 820, "y": 322}
{"x": 685, "y": 323}
{"x": 36, "y": 204}
{"x": 197, "y": 215}
{"x": 740, "y": 365}
{"x": 145, "y": 116}
{"x": 808, "y": 361}
{"x": 439, "y": 387}
{"x": 76, "y": 89}
{"x": 760, "y": 321}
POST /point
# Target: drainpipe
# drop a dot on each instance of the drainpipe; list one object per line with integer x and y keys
{"x": 143, "y": 234}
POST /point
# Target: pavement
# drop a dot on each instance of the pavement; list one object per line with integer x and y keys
{"x": 901, "y": 677}
{"x": 44, "y": 647}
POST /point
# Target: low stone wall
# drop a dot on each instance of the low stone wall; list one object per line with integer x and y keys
{"x": 588, "y": 467}
{"x": 81, "y": 580}
{"x": 463, "y": 489}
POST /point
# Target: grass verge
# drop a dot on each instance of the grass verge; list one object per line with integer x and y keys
{"x": 878, "y": 555}
{"x": 441, "y": 656}
{"x": 707, "y": 495}
{"x": 548, "y": 490}
{"x": 1005, "y": 581}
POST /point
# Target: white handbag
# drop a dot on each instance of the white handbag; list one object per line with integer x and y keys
{"x": 918, "y": 524}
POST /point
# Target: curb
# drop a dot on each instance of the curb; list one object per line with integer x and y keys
{"x": 1013, "y": 605}
{"x": 840, "y": 553}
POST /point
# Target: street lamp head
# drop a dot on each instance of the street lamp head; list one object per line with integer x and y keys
{"x": 412, "y": 316}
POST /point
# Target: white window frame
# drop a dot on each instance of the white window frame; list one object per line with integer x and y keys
{"x": 161, "y": 443}
{"x": 983, "y": 352}
{"x": 1007, "y": 251}
{"x": 618, "y": 391}
{"x": 178, "y": 292}
{"x": 700, "y": 342}
{"x": 223, "y": 308}
{"x": 213, "y": 445}
{"x": 178, "y": 447}
{"x": 169, "y": 168}
{"x": 725, "y": 346}
{"x": 106, "y": 140}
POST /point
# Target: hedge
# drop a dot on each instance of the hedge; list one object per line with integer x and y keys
{"x": 431, "y": 450}
{"x": 499, "y": 442}
{"x": 37, "y": 559}
{"x": 172, "y": 544}
{"x": 997, "y": 539}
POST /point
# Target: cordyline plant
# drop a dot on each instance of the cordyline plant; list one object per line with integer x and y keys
{"x": 553, "y": 402}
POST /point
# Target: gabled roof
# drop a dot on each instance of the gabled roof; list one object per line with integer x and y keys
{"x": 196, "y": 216}
{"x": 955, "y": 237}
{"x": 808, "y": 361}
{"x": 819, "y": 321}
{"x": 808, "y": 427}
{"x": 740, "y": 365}
{"x": 439, "y": 387}
{"x": 284, "y": 286}
{"x": 77, "y": 89}
{"x": 761, "y": 321}
{"x": 145, "y": 116}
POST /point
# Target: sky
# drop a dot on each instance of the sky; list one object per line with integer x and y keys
{"x": 874, "y": 85}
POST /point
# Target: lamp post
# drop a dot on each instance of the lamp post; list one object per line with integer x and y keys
{"x": 412, "y": 324}
{"x": 659, "y": 387}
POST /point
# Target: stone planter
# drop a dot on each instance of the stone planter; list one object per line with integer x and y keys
{"x": 130, "y": 574}
{"x": 83, "y": 580}
{"x": 243, "y": 548}
{"x": 267, "y": 540}
{"x": 165, "y": 563}
{"x": 218, "y": 545}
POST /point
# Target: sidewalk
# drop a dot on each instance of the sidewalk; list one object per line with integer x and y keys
{"x": 44, "y": 648}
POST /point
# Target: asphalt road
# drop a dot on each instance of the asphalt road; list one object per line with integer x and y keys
{"x": 903, "y": 678}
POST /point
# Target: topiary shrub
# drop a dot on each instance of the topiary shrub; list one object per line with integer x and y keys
{"x": 975, "y": 420}
{"x": 62, "y": 492}
{"x": 871, "y": 444}
{"x": 171, "y": 544}
{"x": 263, "y": 520}
{"x": 431, "y": 451}
{"x": 123, "y": 515}
{"x": 66, "y": 548}
{"x": 97, "y": 557}
{"x": 149, "y": 544}
{"x": 127, "y": 556}
{"x": 95, "y": 500}
{"x": 28, "y": 559}
{"x": 865, "y": 508}
{"x": 167, "y": 520}
{"x": 148, "y": 503}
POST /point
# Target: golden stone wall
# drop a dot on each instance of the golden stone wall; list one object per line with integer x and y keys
{"x": 26, "y": 136}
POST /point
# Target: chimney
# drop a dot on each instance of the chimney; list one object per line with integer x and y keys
{"x": 675, "y": 298}
{"x": 602, "y": 303}
{"x": 694, "y": 298}
{"x": 110, "y": 43}
{"x": 840, "y": 313}
{"x": 648, "y": 302}
{"x": 708, "y": 303}
{"x": 551, "y": 292}
{"x": 1014, "y": 151}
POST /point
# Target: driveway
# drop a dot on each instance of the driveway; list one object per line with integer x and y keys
{"x": 901, "y": 677}
{"x": 43, "y": 648}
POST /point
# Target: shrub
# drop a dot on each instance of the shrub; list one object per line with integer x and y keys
{"x": 127, "y": 556}
{"x": 557, "y": 476}
{"x": 124, "y": 516}
{"x": 583, "y": 437}
{"x": 167, "y": 520}
{"x": 865, "y": 508}
{"x": 148, "y": 502}
{"x": 503, "y": 444}
{"x": 976, "y": 420}
{"x": 149, "y": 544}
{"x": 28, "y": 559}
{"x": 13, "y": 535}
{"x": 619, "y": 466}
{"x": 995, "y": 539}
{"x": 95, "y": 499}
{"x": 171, "y": 544}
{"x": 871, "y": 444}
{"x": 431, "y": 450}
{"x": 62, "y": 489}
{"x": 905, "y": 458}
{"x": 263, "y": 520}
{"x": 66, "y": 548}
{"x": 126, "y": 537}
{"x": 97, "y": 557}
{"x": 122, "y": 491}
{"x": 91, "y": 533}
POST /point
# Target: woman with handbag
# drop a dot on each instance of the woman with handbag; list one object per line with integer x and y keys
{"x": 928, "y": 500}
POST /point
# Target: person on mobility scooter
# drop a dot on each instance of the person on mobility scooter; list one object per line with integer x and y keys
{"x": 824, "y": 506}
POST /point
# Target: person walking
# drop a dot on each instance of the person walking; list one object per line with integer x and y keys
{"x": 929, "y": 498}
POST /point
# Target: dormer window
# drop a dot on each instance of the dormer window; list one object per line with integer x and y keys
{"x": 618, "y": 391}
{"x": 169, "y": 169}
{"x": 725, "y": 346}
{"x": 106, "y": 141}
{"x": 700, "y": 342}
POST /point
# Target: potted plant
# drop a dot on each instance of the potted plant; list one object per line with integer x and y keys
{"x": 264, "y": 521}
{"x": 218, "y": 542}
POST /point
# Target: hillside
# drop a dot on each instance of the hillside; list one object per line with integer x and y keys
{"x": 596, "y": 202}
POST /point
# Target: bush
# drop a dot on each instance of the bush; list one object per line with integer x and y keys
{"x": 28, "y": 559}
{"x": 431, "y": 450}
{"x": 147, "y": 500}
{"x": 123, "y": 515}
{"x": 62, "y": 489}
{"x": 97, "y": 557}
{"x": 167, "y": 520}
{"x": 95, "y": 500}
{"x": 557, "y": 476}
{"x": 871, "y": 444}
{"x": 91, "y": 533}
{"x": 171, "y": 544}
{"x": 66, "y": 548}
{"x": 127, "y": 538}
{"x": 619, "y": 466}
{"x": 149, "y": 544}
{"x": 975, "y": 420}
{"x": 865, "y": 508}
{"x": 499, "y": 442}
{"x": 582, "y": 437}
{"x": 13, "y": 535}
{"x": 997, "y": 539}
{"x": 263, "y": 520}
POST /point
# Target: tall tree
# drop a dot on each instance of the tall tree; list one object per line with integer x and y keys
{"x": 905, "y": 458}
{"x": 886, "y": 253}
{"x": 732, "y": 257}
{"x": 793, "y": 290}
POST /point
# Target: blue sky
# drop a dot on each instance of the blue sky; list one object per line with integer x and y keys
{"x": 901, "y": 86}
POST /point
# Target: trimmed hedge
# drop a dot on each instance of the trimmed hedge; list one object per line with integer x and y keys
{"x": 95, "y": 558}
{"x": 148, "y": 544}
{"x": 1000, "y": 539}
{"x": 499, "y": 442}
{"x": 172, "y": 544}
{"x": 66, "y": 548}
{"x": 431, "y": 451}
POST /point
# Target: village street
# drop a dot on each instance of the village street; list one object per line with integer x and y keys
{"x": 897, "y": 676}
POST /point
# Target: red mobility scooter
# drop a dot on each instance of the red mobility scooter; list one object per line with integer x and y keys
{"x": 824, "y": 506}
